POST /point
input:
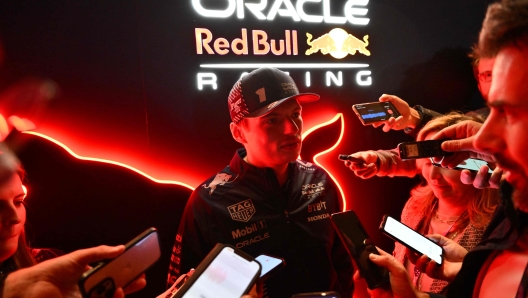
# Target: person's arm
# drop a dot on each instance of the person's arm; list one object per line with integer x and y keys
{"x": 58, "y": 277}
{"x": 390, "y": 164}
{"x": 454, "y": 255}
{"x": 381, "y": 163}
{"x": 424, "y": 115}
{"x": 189, "y": 246}
{"x": 400, "y": 283}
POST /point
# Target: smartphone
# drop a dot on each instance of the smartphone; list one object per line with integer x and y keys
{"x": 372, "y": 112}
{"x": 139, "y": 255}
{"x": 269, "y": 265}
{"x": 225, "y": 272}
{"x": 421, "y": 149}
{"x": 359, "y": 247}
{"x": 345, "y": 157}
{"x": 330, "y": 294}
{"x": 411, "y": 239}
{"x": 472, "y": 164}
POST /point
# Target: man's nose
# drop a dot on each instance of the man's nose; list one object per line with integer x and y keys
{"x": 291, "y": 126}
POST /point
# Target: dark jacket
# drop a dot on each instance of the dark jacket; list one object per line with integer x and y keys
{"x": 245, "y": 206}
{"x": 501, "y": 234}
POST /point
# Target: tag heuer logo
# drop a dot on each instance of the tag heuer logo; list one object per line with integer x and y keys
{"x": 242, "y": 211}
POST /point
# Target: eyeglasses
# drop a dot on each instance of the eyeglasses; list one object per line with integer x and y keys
{"x": 485, "y": 77}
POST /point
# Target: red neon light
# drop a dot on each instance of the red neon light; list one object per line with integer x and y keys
{"x": 22, "y": 123}
{"x": 107, "y": 161}
{"x": 306, "y": 133}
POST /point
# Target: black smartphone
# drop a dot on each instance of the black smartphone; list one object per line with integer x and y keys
{"x": 422, "y": 149}
{"x": 345, "y": 157}
{"x": 472, "y": 164}
{"x": 269, "y": 265}
{"x": 225, "y": 272}
{"x": 411, "y": 239}
{"x": 359, "y": 247}
{"x": 372, "y": 112}
{"x": 139, "y": 255}
{"x": 330, "y": 294}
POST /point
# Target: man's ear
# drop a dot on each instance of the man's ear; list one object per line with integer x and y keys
{"x": 238, "y": 134}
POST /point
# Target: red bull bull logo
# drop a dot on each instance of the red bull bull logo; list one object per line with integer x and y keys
{"x": 338, "y": 43}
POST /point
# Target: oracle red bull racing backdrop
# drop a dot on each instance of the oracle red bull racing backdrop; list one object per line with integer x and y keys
{"x": 146, "y": 82}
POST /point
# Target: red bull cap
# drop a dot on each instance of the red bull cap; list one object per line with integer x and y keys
{"x": 262, "y": 90}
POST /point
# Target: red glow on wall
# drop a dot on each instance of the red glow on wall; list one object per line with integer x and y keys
{"x": 338, "y": 116}
{"x": 107, "y": 161}
{"x": 136, "y": 163}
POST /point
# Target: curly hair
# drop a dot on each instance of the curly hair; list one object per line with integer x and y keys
{"x": 506, "y": 24}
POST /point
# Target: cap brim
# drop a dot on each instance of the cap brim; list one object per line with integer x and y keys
{"x": 301, "y": 98}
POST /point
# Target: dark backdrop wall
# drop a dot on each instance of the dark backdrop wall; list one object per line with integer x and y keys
{"x": 127, "y": 75}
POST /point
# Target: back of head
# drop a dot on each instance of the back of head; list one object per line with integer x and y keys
{"x": 506, "y": 24}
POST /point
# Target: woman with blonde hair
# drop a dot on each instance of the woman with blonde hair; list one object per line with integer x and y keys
{"x": 441, "y": 204}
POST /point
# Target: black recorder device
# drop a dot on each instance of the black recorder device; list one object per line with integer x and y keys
{"x": 359, "y": 247}
{"x": 422, "y": 149}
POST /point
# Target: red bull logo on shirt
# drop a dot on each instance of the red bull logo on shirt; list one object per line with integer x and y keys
{"x": 338, "y": 43}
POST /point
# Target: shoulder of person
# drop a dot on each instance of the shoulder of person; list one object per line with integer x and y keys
{"x": 216, "y": 185}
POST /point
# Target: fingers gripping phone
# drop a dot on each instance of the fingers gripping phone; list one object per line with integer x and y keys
{"x": 269, "y": 265}
{"x": 411, "y": 239}
{"x": 372, "y": 112}
{"x": 139, "y": 255}
{"x": 472, "y": 164}
{"x": 422, "y": 149}
{"x": 359, "y": 247}
{"x": 225, "y": 272}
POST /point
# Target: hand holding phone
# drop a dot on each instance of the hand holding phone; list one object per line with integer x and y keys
{"x": 374, "y": 112}
{"x": 225, "y": 272}
{"x": 411, "y": 239}
{"x": 359, "y": 247}
{"x": 345, "y": 157}
{"x": 139, "y": 255}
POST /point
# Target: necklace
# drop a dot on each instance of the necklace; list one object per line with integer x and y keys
{"x": 446, "y": 221}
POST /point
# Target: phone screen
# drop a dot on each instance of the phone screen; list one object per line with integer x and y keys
{"x": 412, "y": 239}
{"x": 421, "y": 149}
{"x": 375, "y": 112}
{"x": 411, "y": 150}
{"x": 267, "y": 263}
{"x": 228, "y": 275}
{"x": 138, "y": 257}
{"x": 473, "y": 164}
